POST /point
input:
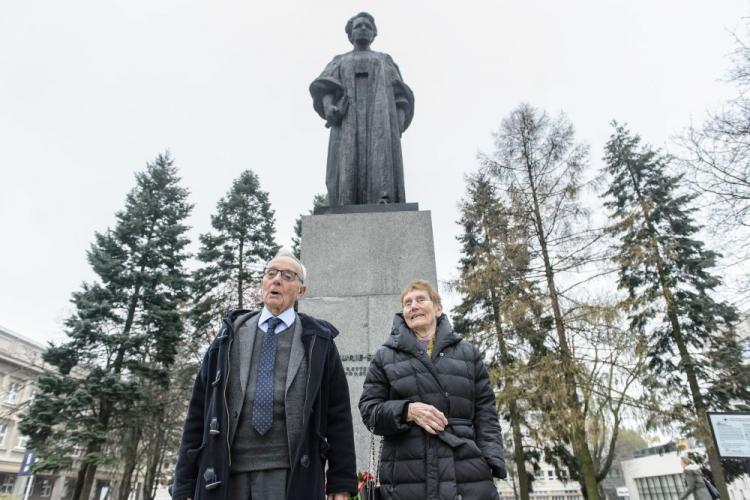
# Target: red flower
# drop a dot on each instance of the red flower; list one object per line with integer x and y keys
{"x": 363, "y": 477}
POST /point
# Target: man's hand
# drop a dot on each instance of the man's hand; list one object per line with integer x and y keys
{"x": 427, "y": 417}
{"x": 338, "y": 496}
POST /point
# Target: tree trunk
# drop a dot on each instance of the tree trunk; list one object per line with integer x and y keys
{"x": 515, "y": 418}
{"x": 130, "y": 458}
{"x": 686, "y": 359}
{"x": 80, "y": 479}
{"x": 154, "y": 457}
{"x": 518, "y": 456}
{"x": 88, "y": 482}
{"x": 95, "y": 447}
{"x": 577, "y": 418}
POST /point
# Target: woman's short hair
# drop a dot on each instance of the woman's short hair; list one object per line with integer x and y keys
{"x": 350, "y": 22}
{"x": 425, "y": 286}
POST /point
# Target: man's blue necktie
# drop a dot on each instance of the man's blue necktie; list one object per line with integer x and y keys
{"x": 263, "y": 406}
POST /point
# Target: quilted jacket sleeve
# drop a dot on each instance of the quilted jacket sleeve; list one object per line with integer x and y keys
{"x": 385, "y": 417}
{"x": 486, "y": 422}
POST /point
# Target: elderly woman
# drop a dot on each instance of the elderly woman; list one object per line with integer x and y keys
{"x": 694, "y": 481}
{"x": 428, "y": 394}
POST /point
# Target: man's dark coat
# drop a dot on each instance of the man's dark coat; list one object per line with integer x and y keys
{"x": 202, "y": 470}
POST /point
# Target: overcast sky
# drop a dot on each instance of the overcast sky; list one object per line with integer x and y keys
{"x": 92, "y": 90}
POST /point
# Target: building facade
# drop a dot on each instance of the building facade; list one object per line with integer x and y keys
{"x": 656, "y": 474}
{"x": 547, "y": 485}
{"x": 20, "y": 367}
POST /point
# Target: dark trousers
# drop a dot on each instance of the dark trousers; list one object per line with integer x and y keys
{"x": 258, "y": 485}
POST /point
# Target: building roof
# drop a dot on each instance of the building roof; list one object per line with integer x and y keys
{"x": 17, "y": 336}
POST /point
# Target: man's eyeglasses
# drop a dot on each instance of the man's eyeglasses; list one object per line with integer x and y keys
{"x": 286, "y": 275}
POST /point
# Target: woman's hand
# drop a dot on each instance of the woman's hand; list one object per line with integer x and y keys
{"x": 427, "y": 417}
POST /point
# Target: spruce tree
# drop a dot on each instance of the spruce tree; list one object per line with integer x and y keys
{"x": 233, "y": 254}
{"x": 500, "y": 309}
{"x": 665, "y": 269}
{"x": 124, "y": 330}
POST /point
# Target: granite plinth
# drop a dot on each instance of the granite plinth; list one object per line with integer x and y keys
{"x": 367, "y": 254}
{"x": 370, "y": 207}
{"x": 357, "y": 264}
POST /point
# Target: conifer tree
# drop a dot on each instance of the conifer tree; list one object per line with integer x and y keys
{"x": 124, "y": 330}
{"x": 233, "y": 254}
{"x": 539, "y": 160}
{"x": 665, "y": 269}
{"x": 500, "y": 309}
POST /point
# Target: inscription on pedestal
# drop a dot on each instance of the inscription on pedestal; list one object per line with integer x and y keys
{"x": 355, "y": 365}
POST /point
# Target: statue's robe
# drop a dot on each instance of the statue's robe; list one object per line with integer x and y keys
{"x": 364, "y": 149}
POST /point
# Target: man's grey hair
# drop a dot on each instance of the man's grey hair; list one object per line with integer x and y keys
{"x": 286, "y": 252}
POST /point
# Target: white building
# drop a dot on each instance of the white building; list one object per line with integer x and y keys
{"x": 547, "y": 485}
{"x": 656, "y": 474}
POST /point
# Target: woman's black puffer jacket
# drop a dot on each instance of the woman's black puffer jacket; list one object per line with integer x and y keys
{"x": 458, "y": 463}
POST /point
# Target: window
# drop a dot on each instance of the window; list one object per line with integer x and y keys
{"x": 3, "y": 432}
{"x": 7, "y": 481}
{"x": 539, "y": 474}
{"x": 22, "y": 442}
{"x": 46, "y": 488}
{"x": 13, "y": 390}
{"x": 550, "y": 474}
{"x": 667, "y": 487}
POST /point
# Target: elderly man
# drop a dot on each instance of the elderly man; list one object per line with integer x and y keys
{"x": 270, "y": 405}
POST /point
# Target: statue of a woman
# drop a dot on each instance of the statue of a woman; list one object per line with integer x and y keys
{"x": 367, "y": 106}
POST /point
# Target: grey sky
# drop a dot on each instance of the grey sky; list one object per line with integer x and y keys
{"x": 92, "y": 90}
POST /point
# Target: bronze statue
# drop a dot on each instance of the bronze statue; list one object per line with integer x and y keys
{"x": 367, "y": 106}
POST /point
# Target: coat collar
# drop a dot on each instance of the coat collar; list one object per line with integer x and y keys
{"x": 310, "y": 325}
{"x": 403, "y": 339}
{"x": 319, "y": 327}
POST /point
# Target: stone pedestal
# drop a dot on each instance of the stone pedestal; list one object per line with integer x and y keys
{"x": 357, "y": 264}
